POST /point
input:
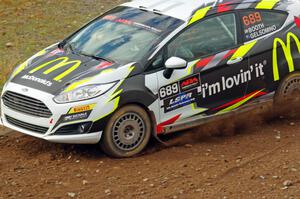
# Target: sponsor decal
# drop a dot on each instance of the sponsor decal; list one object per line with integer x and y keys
{"x": 131, "y": 23}
{"x": 181, "y": 93}
{"x": 258, "y": 31}
{"x": 104, "y": 64}
{"x": 287, "y": 50}
{"x": 79, "y": 109}
{"x": 75, "y": 114}
{"x": 173, "y": 89}
{"x": 59, "y": 63}
{"x": 38, "y": 80}
{"x": 57, "y": 51}
{"x": 72, "y": 117}
{"x": 181, "y": 100}
{"x": 190, "y": 82}
{"x": 254, "y": 26}
{"x": 227, "y": 83}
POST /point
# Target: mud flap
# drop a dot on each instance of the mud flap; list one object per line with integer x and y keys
{"x": 154, "y": 131}
{"x": 164, "y": 143}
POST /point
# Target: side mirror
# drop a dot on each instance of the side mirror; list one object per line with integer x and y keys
{"x": 172, "y": 64}
{"x": 176, "y": 63}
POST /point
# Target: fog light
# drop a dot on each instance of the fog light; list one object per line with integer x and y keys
{"x": 75, "y": 129}
{"x": 84, "y": 128}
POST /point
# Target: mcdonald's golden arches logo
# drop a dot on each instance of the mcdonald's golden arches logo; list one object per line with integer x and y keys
{"x": 60, "y": 62}
{"x": 286, "y": 47}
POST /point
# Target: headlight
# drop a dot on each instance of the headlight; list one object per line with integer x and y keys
{"x": 83, "y": 93}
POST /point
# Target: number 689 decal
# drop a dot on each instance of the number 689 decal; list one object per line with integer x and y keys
{"x": 168, "y": 91}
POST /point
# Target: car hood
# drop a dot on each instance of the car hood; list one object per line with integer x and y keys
{"x": 53, "y": 70}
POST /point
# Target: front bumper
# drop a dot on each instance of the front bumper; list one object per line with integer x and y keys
{"x": 52, "y": 123}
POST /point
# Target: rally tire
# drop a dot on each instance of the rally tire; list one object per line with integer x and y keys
{"x": 127, "y": 132}
{"x": 289, "y": 89}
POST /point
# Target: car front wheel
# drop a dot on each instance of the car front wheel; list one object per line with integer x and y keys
{"x": 127, "y": 132}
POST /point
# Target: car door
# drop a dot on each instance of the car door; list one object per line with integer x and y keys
{"x": 263, "y": 26}
{"x": 216, "y": 74}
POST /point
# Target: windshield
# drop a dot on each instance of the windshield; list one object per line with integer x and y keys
{"x": 123, "y": 34}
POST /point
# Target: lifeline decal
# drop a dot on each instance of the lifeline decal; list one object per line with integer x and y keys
{"x": 75, "y": 85}
{"x": 222, "y": 6}
{"x": 287, "y": 50}
{"x": 239, "y": 102}
{"x": 114, "y": 99}
{"x": 243, "y": 50}
{"x": 160, "y": 127}
{"x": 26, "y": 63}
{"x": 200, "y": 14}
{"x": 214, "y": 60}
{"x": 267, "y": 4}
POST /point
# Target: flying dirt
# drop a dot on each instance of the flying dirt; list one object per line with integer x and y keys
{"x": 256, "y": 152}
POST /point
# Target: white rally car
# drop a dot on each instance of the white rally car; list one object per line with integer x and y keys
{"x": 151, "y": 67}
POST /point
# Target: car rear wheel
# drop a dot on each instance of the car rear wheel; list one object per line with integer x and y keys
{"x": 127, "y": 133}
{"x": 289, "y": 89}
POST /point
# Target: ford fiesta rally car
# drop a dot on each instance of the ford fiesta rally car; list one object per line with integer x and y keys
{"x": 151, "y": 67}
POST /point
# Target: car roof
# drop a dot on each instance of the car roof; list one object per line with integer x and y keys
{"x": 184, "y": 9}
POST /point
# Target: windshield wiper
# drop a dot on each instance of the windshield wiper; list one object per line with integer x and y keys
{"x": 62, "y": 44}
{"x": 95, "y": 57}
{"x": 70, "y": 46}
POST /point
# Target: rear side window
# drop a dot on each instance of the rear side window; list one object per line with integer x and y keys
{"x": 256, "y": 23}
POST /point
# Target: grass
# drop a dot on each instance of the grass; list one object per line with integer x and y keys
{"x": 31, "y": 25}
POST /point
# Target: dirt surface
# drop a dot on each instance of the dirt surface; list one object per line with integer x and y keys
{"x": 259, "y": 161}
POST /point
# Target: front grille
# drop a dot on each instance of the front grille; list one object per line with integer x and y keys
{"x": 25, "y": 104}
{"x": 27, "y": 126}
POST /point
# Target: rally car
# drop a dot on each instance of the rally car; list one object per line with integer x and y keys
{"x": 151, "y": 67}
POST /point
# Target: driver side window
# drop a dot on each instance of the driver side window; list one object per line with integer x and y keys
{"x": 207, "y": 37}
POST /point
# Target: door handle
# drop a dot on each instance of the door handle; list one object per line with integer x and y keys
{"x": 235, "y": 61}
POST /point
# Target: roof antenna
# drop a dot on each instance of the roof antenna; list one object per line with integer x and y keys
{"x": 143, "y": 8}
{"x": 157, "y": 11}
